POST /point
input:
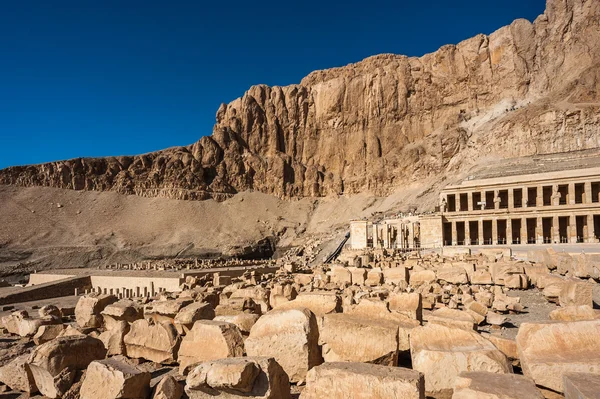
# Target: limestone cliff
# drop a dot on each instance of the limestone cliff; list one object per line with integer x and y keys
{"x": 382, "y": 123}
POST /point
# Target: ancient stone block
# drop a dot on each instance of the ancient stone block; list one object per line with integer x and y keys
{"x": 49, "y": 311}
{"x": 477, "y": 311}
{"x": 17, "y": 375}
{"x": 244, "y": 321}
{"x": 291, "y": 337}
{"x": 574, "y": 313}
{"x": 114, "y": 339}
{"x": 258, "y": 294}
{"x": 495, "y": 319}
{"x": 516, "y": 281}
{"x": 165, "y": 310}
{"x": 112, "y": 379}
{"x": 351, "y": 338}
{"x": 123, "y": 310}
{"x": 541, "y": 257}
{"x": 453, "y": 275}
{"x": 19, "y": 323}
{"x": 156, "y": 342}
{"x": 320, "y": 303}
{"x": 187, "y": 316}
{"x": 581, "y": 385}
{"x": 210, "y": 340}
{"x": 549, "y": 350}
{"x": 47, "y": 333}
{"x": 303, "y": 279}
{"x": 341, "y": 275}
{"x": 576, "y": 293}
{"x": 452, "y": 318}
{"x": 441, "y": 353}
{"x": 349, "y": 380}
{"x": 53, "y": 364}
{"x": 482, "y": 277}
{"x": 236, "y": 378}
{"x": 395, "y": 275}
{"x": 418, "y": 278}
{"x": 89, "y": 308}
{"x": 505, "y": 345}
{"x": 374, "y": 277}
{"x": 408, "y": 304}
{"x": 478, "y": 385}
{"x": 168, "y": 388}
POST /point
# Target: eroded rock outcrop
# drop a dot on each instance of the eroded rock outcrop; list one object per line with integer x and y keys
{"x": 380, "y": 123}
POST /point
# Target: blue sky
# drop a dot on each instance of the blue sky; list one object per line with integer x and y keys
{"x": 122, "y": 77}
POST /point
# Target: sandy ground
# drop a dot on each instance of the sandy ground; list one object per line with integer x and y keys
{"x": 43, "y": 228}
{"x": 33, "y": 306}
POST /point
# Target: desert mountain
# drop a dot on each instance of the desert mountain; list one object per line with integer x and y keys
{"x": 381, "y": 124}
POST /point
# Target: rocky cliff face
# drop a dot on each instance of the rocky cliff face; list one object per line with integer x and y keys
{"x": 381, "y": 123}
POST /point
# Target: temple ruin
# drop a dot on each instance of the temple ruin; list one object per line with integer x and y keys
{"x": 519, "y": 207}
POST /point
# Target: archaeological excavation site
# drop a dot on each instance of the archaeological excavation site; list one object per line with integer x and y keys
{"x": 396, "y": 228}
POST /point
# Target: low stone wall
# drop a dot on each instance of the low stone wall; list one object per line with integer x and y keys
{"x": 52, "y": 289}
{"x": 115, "y": 283}
{"x": 231, "y": 271}
{"x": 43, "y": 278}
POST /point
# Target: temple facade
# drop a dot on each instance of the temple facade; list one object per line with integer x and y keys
{"x": 401, "y": 234}
{"x": 542, "y": 208}
{"x": 545, "y": 205}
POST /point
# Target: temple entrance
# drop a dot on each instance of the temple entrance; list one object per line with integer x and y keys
{"x": 447, "y": 233}
{"x": 460, "y": 233}
{"x": 516, "y": 231}
{"x": 547, "y": 230}
{"x": 474, "y": 233}
{"x": 531, "y": 227}
{"x": 580, "y": 226}
{"x": 487, "y": 232}
{"x": 501, "y": 227}
{"x": 563, "y": 229}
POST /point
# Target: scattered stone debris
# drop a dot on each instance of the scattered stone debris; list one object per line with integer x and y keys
{"x": 379, "y": 323}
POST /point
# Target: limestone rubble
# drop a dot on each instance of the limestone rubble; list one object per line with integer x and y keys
{"x": 396, "y": 325}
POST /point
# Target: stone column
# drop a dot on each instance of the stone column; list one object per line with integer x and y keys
{"x": 587, "y": 187}
{"x": 454, "y": 233}
{"x": 470, "y": 205}
{"x": 590, "y": 229}
{"x": 511, "y": 199}
{"x": 555, "y": 230}
{"x": 539, "y": 230}
{"x": 483, "y": 199}
{"x": 508, "y": 232}
{"x": 467, "y": 233}
{"x": 571, "y": 194}
{"x": 523, "y": 230}
{"x": 375, "y": 236}
{"x": 525, "y": 198}
{"x": 555, "y": 196}
{"x": 480, "y": 231}
{"x": 494, "y": 231}
{"x": 496, "y": 200}
{"x": 457, "y": 202}
{"x": 386, "y": 235}
{"x": 572, "y": 232}
{"x": 540, "y": 196}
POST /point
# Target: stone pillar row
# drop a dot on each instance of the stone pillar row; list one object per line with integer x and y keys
{"x": 588, "y": 230}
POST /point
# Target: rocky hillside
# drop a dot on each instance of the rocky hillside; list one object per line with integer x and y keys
{"x": 382, "y": 123}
